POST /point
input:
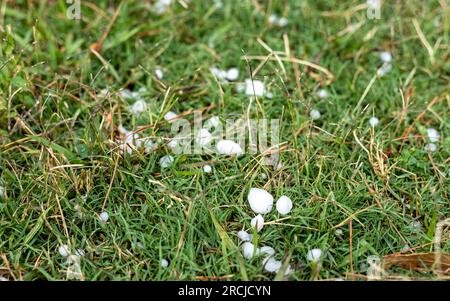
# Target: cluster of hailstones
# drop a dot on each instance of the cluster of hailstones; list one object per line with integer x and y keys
{"x": 65, "y": 251}
{"x": 433, "y": 137}
{"x": 261, "y": 202}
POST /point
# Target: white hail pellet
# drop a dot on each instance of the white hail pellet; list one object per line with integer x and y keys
{"x": 126, "y": 147}
{"x": 433, "y": 135}
{"x": 373, "y": 121}
{"x": 170, "y": 115}
{"x": 2, "y": 190}
{"x": 431, "y": 147}
{"x": 104, "y": 216}
{"x": 244, "y": 236}
{"x": 228, "y": 147}
{"x": 282, "y": 22}
{"x": 161, "y": 6}
{"x": 260, "y": 200}
{"x": 248, "y": 249}
{"x": 386, "y": 56}
{"x": 373, "y": 4}
{"x": 64, "y": 250}
{"x": 166, "y": 161}
{"x": 322, "y": 93}
{"x": 172, "y": 144}
{"x": 258, "y": 222}
{"x": 339, "y": 232}
{"x": 416, "y": 225}
{"x": 122, "y": 130}
{"x": 125, "y": 93}
{"x": 131, "y": 138}
{"x": 220, "y": 74}
{"x": 314, "y": 114}
{"x": 159, "y": 74}
{"x": 267, "y": 250}
{"x": 263, "y": 176}
{"x": 212, "y": 122}
{"x": 272, "y": 265}
{"x": 383, "y": 70}
{"x": 140, "y": 245}
{"x": 204, "y": 137}
{"x": 314, "y": 255}
{"x": 269, "y": 95}
{"x": 149, "y": 145}
{"x": 218, "y": 4}
{"x": 164, "y": 263}
{"x": 284, "y": 205}
{"x": 138, "y": 107}
{"x": 255, "y": 87}
{"x": 273, "y": 19}
{"x": 233, "y": 74}
{"x": 207, "y": 168}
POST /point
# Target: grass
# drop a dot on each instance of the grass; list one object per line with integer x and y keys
{"x": 59, "y": 164}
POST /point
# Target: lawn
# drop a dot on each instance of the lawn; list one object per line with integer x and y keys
{"x": 363, "y": 148}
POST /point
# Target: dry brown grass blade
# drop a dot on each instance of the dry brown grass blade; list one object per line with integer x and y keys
{"x": 97, "y": 47}
{"x": 417, "y": 261}
{"x": 183, "y": 234}
{"x": 330, "y": 76}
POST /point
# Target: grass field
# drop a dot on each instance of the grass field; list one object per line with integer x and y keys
{"x": 357, "y": 190}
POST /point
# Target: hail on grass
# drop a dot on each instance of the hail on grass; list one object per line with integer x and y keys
{"x": 164, "y": 263}
{"x": 64, "y": 250}
{"x": 248, "y": 249}
{"x": 433, "y": 135}
{"x": 104, "y": 216}
{"x": 244, "y": 236}
{"x": 384, "y": 69}
{"x": 212, "y": 122}
{"x": 322, "y": 93}
{"x": 159, "y": 74}
{"x": 314, "y": 255}
{"x": 166, "y": 161}
{"x": 254, "y": 87}
{"x": 314, "y": 114}
{"x": 284, "y": 205}
{"x": 279, "y": 21}
{"x": 260, "y": 200}
{"x": 386, "y": 56}
{"x": 257, "y": 222}
{"x": 161, "y": 6}
{"x": 204, "y": 137}
{"x": 207, "y": 168}
{"x": 170, "y": 115}
{"x": 431, "y": 147}
{"x": 138, "y": 107}
{"x": 374, "y": 121}
{"x": 228, "y": 147}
